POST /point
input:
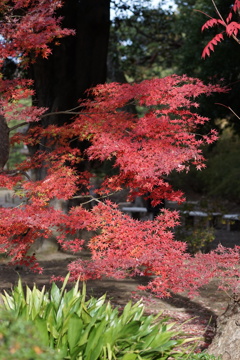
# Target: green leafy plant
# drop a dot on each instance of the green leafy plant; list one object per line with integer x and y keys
{"x": 199, "y": 220}
{"x": 197, "y": 238}
{"x": 203, "y": 356}
{"x": 20, "y": 341}
{"x": 93, "y": 329}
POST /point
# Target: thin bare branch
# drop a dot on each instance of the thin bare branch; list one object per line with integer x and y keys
{"x": 67, "y": 112}
{"x": 93, "y": 198}
{"x": 202, "y": 12}
{"x": 17, "y": 126}
{"x": 218, "y": 12}
{"x": 229, "y": 108}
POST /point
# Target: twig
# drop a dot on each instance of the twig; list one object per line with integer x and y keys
{"x": 202, "y": 12}
{"x": 18, "y": 125}
{"x": 66, "y": 112}
{"x": 92, "y": 198}
{"x": 218, "y": 12}
{"x": 229, "y": 108}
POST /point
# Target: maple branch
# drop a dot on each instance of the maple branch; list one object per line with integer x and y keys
{"x": 92, "y": 198}
{"x": 220, "y": 16}
{"x": 218, "y": 12}
{"x": 236, "y": 39}
{"x": 74, "y": 139}
{"x": 229, "y": 108}
{"x": 87, "y": 202}
{"x": 79, "y": 106}
{"x": 202, "y": 12}
{"x": 15, "y": 172}
{"x": 67, "y": 112}
{"x": 18, "y": 125}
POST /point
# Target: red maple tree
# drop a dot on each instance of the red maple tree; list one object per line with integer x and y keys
{"x": 143, "y": 151}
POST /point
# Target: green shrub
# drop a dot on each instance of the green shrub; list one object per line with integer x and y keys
{"x": 197, "y": 238}
{"x": 19, "y": 341}
{"x": 92, "y": 329}
{"x": 220, "y": 178}
{"x": 203, "y": 356}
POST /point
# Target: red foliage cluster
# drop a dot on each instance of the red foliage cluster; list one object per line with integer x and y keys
{"x": 27, "y": 27}
{"x": 231, "y": 28}
{"x": 143, "y": 150}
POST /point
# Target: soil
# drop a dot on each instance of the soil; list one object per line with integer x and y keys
{"x": 196, "y": 316}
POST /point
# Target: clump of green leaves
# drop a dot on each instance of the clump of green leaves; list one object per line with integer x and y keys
{"x": 92, "y": 329}
{"x": 20, "y": 341}
{"x": 203, "y": 356}
{"x": 197, "y": 238}
{"x": 198, "y": 230}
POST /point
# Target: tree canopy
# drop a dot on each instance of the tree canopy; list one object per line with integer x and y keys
{"x": 143, "y": 150}
{"x": 143, "y": 42}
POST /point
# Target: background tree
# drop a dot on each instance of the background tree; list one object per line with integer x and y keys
{"x": 141, "y": 43}
{"x": 223, "y": 67}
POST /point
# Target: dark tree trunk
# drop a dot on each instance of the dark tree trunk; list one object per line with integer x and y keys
{"x": 78, "y": 63}
{"x": 226, "y": 342}
{"x": 4, "y": 142}
{"x": 75, "y": 65}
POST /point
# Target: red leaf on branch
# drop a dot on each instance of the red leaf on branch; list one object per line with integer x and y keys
{"x": 236, "y": 5}
{"x": 210, "y": 46}
{"x": 232, "y": 28}
{"x": 229, "y": 18}
{"x": 212, "y": 22}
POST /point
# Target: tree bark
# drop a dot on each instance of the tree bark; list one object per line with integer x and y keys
{"x": 4, "y": 142}
{"x": 226, "y": 342}
{"x": 77, "y": 64}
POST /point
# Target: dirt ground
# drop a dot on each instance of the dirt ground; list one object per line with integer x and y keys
{"x": 196, "y": 316}
{"x": 210, "y": 301}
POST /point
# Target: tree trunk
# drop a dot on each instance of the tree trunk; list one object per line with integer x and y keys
{"x": 77, "y": 64}
{"x": 226, "y": 342}
{"x": 4, "y": 142}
